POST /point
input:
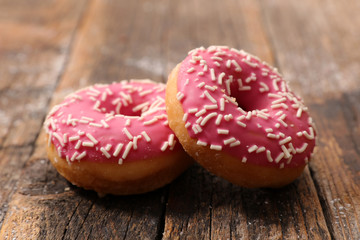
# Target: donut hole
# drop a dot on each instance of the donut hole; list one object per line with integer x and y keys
{"x": 128, "y": 111}
{"x": 248, "y": 100}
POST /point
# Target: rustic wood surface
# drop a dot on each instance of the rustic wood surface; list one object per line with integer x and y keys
{"x": 51, "y": 48}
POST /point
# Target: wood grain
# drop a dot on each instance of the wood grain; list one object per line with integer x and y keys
{"x": 61, "y": 46}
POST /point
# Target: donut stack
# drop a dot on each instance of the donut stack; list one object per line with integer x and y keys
{"x": 232, "y": 113}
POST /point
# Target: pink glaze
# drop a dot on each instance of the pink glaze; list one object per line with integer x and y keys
{"x": 235, "y": 103}
{"x": 115, "y": 123}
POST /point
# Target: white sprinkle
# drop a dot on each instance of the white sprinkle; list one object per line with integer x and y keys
{"x": 302, "y": 148}
{"x": 262, "y": 115}
{"x": 229, "y": 140}
{"x": 210, "y": 107}
{"x": 217, "y": 64}
{"x": 281, "y": 165}
{"x": 171, "y": 139}
{"x": 198, "y": 121}
{"x": 248, "y": 115}
{"x": 280, "y": 105}
{"x": 279, "y": 113}
{"x": 217, "y": 58}
{"x": 187, "y": 81}
{"x": 230, "y": 99}
{"x": 78, "y": 144}
{"x": 88, "y": 144}
{"x": 141, "y": 106}
{"x": 275, "y": 84}
{"x": 74, "y": 156}
{"x": 81, "y": 155}
{"x": 268, "y": 130}
{"x": 264, "y": 88}
{"x": 96, "y": 124}
{"x": 192, "y": 110}
{"x": 228, "y": 63}
{"x": 180, "y": 96}
{"x": 201, "y": 112}
{"x": 135, "y": 142}
{"x": 270, "y": 135}
{"x": 273, "y": 95}
{"x": 237, "y": 66}
{"x": 299, "y": 112}
{"x": 128, "y": 134}
{"x": 103, "y": 150}
{"x": 96, "y": 105}
{"x": 277, "y": 125}
{"x": 91, "y": 138}
{"x": 251, "y": 64}
{"x": 103, "y": 96}
{"x": 190, "y": 70}
{"x": 187, "y": 125}
{"x": 260, "y": 149}
{"x": 220, "y": 77}
{"x": 228, "y": 117}
{"x": 222, "y": 104}
{"x": 207, "y": 94}
{"x": 245, "y": 88}
{"x": 309, "y": 136}
{"x": 65, "y": 137}
{"x": 212, "y": 73}
{"x": 283, "y": 99}
{"x": 286, "y": 151}
{"x": 200, "y": 85}
{"x": 127, "y": 150}
{"x": 164, "y": 146}
{"x": 57, "y": 136}
{"x": 185, "y": 117}
{"x": 279, "y": 157}
{"x": 201, "y": 143}
{"x": 268, "y": 155}
{"x": 292, "y": 149}
{"x": 243, "y": 160}
{"x": 146, "y": 92}
{"x": 235, "y": 143}
{"x": 284, "y": 141}
{"x": 127, "y": 122}
{"x": 146, "y": 136}
{"x": 151, "y": 121}
{"x": 240, "y": 83}
{"x": 222, "y": 131}
{"x": 83, "y": 121}
{"x": 218, "y": 119}
{"x": 282, "y": 122}
{"x": 108, "y": 147}
{"x": 299, "y": 134}
{"x": 252, "y": 77}
{"x": 207, "y": 118}
{"x": 227, "y": 83}
{"x": 210, "y": 88}
{"x": 252, "y": 148}
{"x": 215, "y": 147}
{"x": 241, "y": 124}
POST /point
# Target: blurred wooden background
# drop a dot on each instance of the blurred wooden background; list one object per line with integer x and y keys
{"x": 51, "y": 48}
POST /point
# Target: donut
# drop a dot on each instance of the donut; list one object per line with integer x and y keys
{"x": 237, "y": 117}
{"x": 115, "y": 139}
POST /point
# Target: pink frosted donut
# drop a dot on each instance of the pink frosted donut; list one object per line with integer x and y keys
{"x": 237, "y": 117}
{"x": 115, "y": 138}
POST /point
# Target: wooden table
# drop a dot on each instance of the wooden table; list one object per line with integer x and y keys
{"x": 51, "y": 48}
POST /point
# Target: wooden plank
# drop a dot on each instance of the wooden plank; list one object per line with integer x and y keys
{"x": 333, "y": 88}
